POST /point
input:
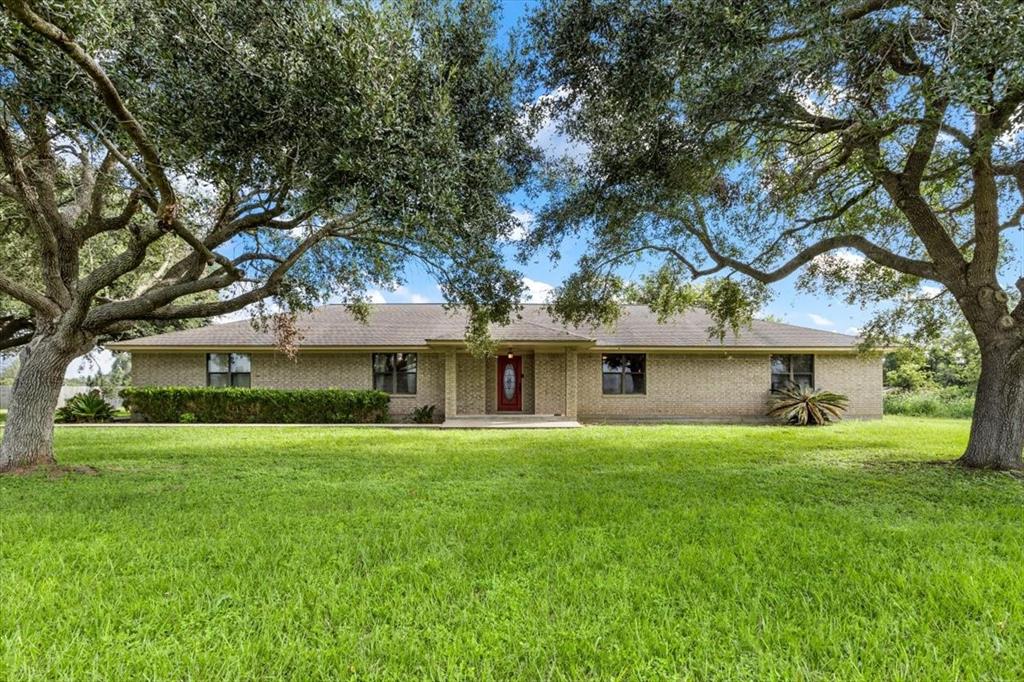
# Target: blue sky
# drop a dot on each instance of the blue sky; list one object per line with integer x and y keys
{"x": 541, "y": 275}
{"x": 788, "y": 304}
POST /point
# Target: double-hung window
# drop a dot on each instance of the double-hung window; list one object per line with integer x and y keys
{"x": 792, "y": 370}
{"x": 228, "y": 369}
{"x": 395, "y": 373}
{"x": 623, "y": 373}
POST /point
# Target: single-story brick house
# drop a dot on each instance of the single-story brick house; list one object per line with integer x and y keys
{"x": 640, "y": 369}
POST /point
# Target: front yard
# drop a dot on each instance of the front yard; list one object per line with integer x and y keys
{"x": 611, "y": 552}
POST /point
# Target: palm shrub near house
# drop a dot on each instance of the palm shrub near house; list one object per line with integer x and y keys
{"x": 736, "y": 144}
{"x": 257, "y": 405}
{"x": 806, "y": 406}
{"x": 85, "y": 408}
{"x": 424, "y": 414}
{"x": 149, "y": 182}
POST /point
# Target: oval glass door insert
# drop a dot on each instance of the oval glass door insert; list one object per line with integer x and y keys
{"x": 508, "y": 382}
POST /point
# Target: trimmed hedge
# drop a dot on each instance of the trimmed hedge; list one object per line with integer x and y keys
{"x": 257, "y": 405}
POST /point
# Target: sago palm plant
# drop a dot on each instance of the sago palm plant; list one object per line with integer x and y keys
{"x": 807, "y": 406}
{"x": 86, "y": 408}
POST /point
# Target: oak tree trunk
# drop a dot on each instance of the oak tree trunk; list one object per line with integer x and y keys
{"x": 28, "y": 432}
{"x": 997, "y": 429}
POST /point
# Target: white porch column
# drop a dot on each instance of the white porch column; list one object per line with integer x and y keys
{"x": 450, "y": 395}
{"x": 571, "y": 384}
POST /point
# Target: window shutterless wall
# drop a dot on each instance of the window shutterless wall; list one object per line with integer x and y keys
{"x": 308, "y": 370}
{"x": 228, "y": 369}
{"x": 395, "y": 373}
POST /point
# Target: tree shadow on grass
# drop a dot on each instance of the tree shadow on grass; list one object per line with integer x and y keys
{"x": 953, "y": 465}
{"x": 52, "y": 471}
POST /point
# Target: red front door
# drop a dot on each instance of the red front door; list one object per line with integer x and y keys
{"x": 510, "y": 383}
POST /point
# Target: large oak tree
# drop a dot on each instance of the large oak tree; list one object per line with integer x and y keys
{"x": 873, "y": 145}
{"x": 168, "y": 160}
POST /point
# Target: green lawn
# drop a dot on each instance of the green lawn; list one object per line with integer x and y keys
{"x": 704, "y": 552}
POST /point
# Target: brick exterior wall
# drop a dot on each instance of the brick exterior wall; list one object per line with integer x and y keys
{"x": 549, "y": 383}
{"x": 308, "y": 370}
{"x": 722, "y": 387}
{"x": 694, "y": 386}
{"x": 678, "y": 385}
{"x": 471, "y": 383}
{"x": 858, "y": 377}
{"x": 169, "y": 369}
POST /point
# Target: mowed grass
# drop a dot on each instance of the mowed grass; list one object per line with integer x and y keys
{"x": 683, "y": 552}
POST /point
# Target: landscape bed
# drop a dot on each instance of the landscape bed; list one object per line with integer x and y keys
{"x": 729, "y": 552}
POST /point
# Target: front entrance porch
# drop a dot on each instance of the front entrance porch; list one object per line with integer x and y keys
{"x": 510, "y": 421}
{"x": 535, "y": 382}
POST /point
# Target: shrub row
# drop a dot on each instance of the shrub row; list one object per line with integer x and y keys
{"x": 954, "y": 403}
{"x": 257, "y": 405}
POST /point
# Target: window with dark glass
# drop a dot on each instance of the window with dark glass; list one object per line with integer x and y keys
{"x": 395, "y": 373}
{"x": 792, "y": 370}
{"x": 623, "y": 373}
{"x": 228, "y": 369}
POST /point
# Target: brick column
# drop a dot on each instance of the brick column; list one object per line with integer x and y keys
{"x": 450, "y": 395}
{"x": 571, "y": 384}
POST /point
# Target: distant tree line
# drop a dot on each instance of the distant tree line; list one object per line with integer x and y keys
{"x": 952, "y": 361}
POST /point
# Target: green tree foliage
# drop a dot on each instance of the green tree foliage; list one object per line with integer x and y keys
{"x": 260, "y": 149}
{"x": 869, "y": 146}
{"x": 952, "y": 361}
{"x": 166, "y": 161}
{"x": 110, "y": 383}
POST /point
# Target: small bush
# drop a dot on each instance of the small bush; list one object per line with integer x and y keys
{"x": 257, "y": 405}
{"x": 953, "y": 403}
{"x": 85, "y": 408}
{"x": 807, "y": 406}
{"x": 424, "y": 414}
{"x": 187, "y": 418}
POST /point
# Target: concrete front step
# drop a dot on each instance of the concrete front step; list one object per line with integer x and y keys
{"x": 510, "y": 421}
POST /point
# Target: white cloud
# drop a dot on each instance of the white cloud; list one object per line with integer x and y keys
{"x": 537, "y": 292}
{"x": 553, "y": 142}
{"x": 851, "y": 257}
{"x": 853, "y": 330}
{"x": 820, "y": 320}
{"x": 418, "y": 298}
{"x": 930, "y": 291}
{"x": 525, "y": 220}
{"x": 88, "y": 365}
{"x": 242, "y": 314}
{"x": 190, "y": 183}
{"x": 843, "y": 258}
{"x": 1013, "y": 134}
{"x": 375, "y": 297}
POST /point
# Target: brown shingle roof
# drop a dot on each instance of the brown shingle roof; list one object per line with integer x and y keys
{"x": 419, "y": 324}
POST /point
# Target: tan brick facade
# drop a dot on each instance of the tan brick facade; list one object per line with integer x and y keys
{"x": 858, "y": 377}
{"x": 308, "y": 370}
{"x": 549, "y": 383}
{"x": 732, "y": 386}
{"x": 695, "y": 386}
{"x": 471, "y": 384}
{"x": 169, "y": 369}
{"x": 679, "y": 385}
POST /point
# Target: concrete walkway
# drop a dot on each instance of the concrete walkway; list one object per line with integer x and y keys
{"x": 509, "y": 421}
{"x": 483, "y": 421}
